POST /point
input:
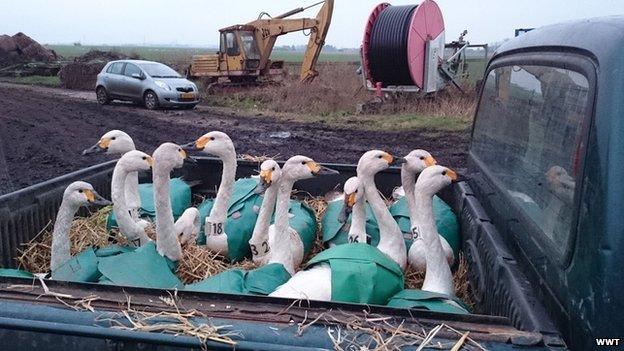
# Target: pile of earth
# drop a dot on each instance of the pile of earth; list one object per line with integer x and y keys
{"x": 82, "y": 73}
{"x": 21, "y": 48}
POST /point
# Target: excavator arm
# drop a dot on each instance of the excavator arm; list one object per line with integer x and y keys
{"x": 268, "y": 30}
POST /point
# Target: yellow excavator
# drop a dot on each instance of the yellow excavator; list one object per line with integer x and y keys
{"x": 245, "y": 49}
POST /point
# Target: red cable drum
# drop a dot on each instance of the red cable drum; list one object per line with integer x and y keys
{"x": 393, "y": 49}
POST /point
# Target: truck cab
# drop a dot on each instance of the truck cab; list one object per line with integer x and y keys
{"x": 545, "y": 163}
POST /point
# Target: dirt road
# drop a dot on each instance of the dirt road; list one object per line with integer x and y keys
{"x": 44, "y": 130}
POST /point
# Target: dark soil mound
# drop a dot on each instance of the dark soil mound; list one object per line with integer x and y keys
{"x": 82, "y": 73}
{"x": 21, "y": 48}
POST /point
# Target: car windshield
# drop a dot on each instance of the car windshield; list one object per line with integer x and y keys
{"x": 158, "y": 70}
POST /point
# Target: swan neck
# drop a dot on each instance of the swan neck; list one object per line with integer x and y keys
{"x": 61, "y": 245}
{"x": 127, "y": 225}
{"x": 408, "y": 181}
{"x": 218, "y": 214}
{"x": 358, "y": 221}
{"x": 438, "y": 276}
{"x": 261, "y": 229}
{"x": 167, "y": 243}
{"x": 282, "y": 222}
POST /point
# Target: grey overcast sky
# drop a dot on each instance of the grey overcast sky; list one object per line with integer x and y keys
{"x": 195, "y": 22}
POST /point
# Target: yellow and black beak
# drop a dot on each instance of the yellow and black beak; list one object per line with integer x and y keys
{"x": 150, "y": 161}
{"x": 95, "y": 199}
{"x": 100, "y": 147}
{"x": 388, "y": 158}
{"x": 318, "y": 170}
{"x": 349, "y": 202}
{"x": 197, "y": 145}
{"x": 185, "y": 156}
{"x": 455, "y": 177}
{"x": 266, "y": 179}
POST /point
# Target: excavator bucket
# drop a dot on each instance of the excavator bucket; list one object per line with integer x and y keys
{"x": 316, "y": 42}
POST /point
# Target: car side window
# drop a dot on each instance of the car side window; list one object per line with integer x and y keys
{"x": 231, "y": 44}
{"x": 131, "y": 69}
{"x": 535, "y": 151}
{"x": 115, "y": 68}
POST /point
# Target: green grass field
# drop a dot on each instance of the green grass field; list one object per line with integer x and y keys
{"x": 178, "y": 54}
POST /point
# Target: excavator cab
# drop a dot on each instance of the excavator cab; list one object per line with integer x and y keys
{"x": 239, "y": 52}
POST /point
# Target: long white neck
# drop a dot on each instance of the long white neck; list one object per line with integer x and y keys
{"x": 280, "y": 245}
{"x": 219, "y": 211}
{"x": 358, "y": 222}
{"x": 390, "y": 237}
{"x": 127, "y": 225}
{"x": 133, "y": 199}
{"x": 261, "y": 229}
{"x": 408, "y": 181}
{"x": 438, "y": 276}
{"x": 61, "y": 245}
{"x": 167, "y": 242}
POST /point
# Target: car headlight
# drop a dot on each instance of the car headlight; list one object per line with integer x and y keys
{"x": 162, "y": 85}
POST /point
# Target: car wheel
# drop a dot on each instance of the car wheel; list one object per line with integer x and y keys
{"x": 150, "y": 100}
{"x": 102, "y": 96}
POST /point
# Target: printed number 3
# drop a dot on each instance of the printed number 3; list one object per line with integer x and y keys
{"x": 265, "y": 246}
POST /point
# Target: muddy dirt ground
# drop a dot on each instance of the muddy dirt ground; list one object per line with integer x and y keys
{"x": 43, "y": 131}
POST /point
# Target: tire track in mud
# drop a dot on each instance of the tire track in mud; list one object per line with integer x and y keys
{"x": 42, "y": 134}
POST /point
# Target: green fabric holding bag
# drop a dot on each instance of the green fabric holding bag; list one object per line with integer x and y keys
{"x": 179, "y": 192}
{"x": 361, "y": 274}
{"x": 304, "y": 223}
{"x": 337, "y": 233}
{"x": 239, "y": 227}
{"x": 259, "y": 281}
{"x": 15, "y": 273}
{"x": 426, "y": 300}
{"x": 83, "y": 267}
{"x": 143, "y": 267}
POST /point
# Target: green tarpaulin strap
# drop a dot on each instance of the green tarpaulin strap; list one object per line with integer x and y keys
{"x": 361, "y": 274}
{"x": 15, "y": 273}
{"x": 260, "y": 281}
{"x": 335, "y": 232}
{"x": 83, "y": 267}
{"x": 426, "y": 300}
{"x": 180, "y": 194}
{"x": 144, "y": 267}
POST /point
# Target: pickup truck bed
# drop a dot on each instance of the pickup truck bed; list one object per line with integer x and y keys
{"x": 507, "y": 313}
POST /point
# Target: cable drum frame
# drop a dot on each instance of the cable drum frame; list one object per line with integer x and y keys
{"x": 426, "y": 29}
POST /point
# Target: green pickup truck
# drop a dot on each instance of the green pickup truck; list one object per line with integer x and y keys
{"x": 542, "y": 221}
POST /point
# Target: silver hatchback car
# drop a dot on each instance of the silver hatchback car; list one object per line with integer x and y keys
{"x": 151, "y": 83}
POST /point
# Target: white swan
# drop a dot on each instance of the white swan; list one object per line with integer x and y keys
{"x": 415, "y": 162}
{"x": 438, "y": 276}
{"x": 127, "y": 166}
{"x": 315, "y": 283}
{"x": 77, "y": 194}
{"x": 285, "y": 242}
{"x": 270, "y": 175}
{"x": 353, "y": 203}
{"x": 117, "y": 142}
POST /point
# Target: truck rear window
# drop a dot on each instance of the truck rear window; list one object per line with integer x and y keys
{"x": 528, "y": 134}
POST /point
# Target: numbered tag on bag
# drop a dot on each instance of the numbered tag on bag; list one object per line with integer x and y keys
{"x": 214, "y": 228}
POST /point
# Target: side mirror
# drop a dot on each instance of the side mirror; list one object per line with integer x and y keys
{"x": 137, "y": 76}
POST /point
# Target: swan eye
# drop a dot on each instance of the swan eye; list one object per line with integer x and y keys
{"x": 273, "y": 168}
{"x": 444, "y": 173}
{"x": 355, "y": 191}
{"x": 380, "y": 156}
{"x": 422, "y": 157}
{"x": 303, "y": 162}
{"x": 212, "y": 138}
{"x": 80, "y": 191}
{"x": 144, "y": 158}
{"x": 179, "y": 150}
{"x": 113, "y": 138}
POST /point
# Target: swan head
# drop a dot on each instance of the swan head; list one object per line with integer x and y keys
{"x": 135, "y": 161}
{"x": 214, "y": 143}
{"x": 113, "y": 142}
{"x": 82, "y": 194}
{"x": 302, "y": 167}
{"x": 373, "y": 162}
{"x": 417, "y": 160}
{"x": 169, "y": 156}
{"x": 435, "y": 178}
{"x": 352, "y": 195}
{"x": 270, "y": 173}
